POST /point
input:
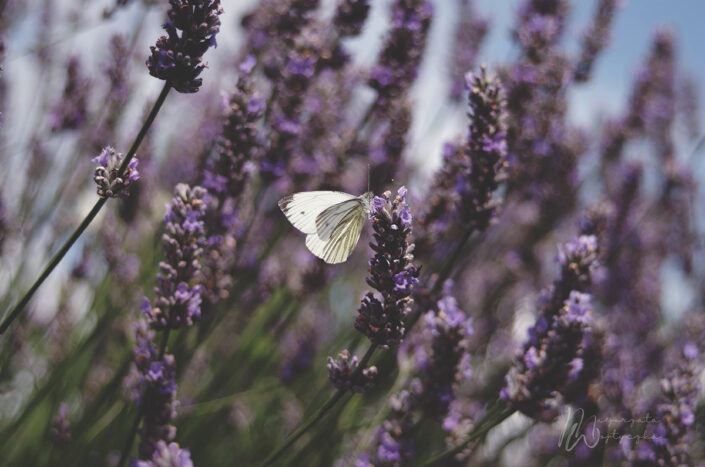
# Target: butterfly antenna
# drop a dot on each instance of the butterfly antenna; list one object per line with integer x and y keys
{"x": 368, "y": 178}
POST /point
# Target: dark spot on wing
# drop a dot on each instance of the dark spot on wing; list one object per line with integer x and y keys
{"x": 303, "y": 212}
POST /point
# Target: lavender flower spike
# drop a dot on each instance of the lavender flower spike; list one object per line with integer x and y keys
{"x": 552, "y": 358}
{"x": 178, "y": 299}
{"x": 177, "y": 59}
{"x": 154, "y": 388}
{"x": 449, "y": 329}
{"x": 392, "y": 272}
{"x": 106, "y": 174}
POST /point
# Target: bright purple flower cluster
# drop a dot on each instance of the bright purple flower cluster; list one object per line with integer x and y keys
{"x": 154, "y": 389}
{"x": 178, "y": 58}
{"x": 110, "y": 185}
{"x": 399, "y": 61}
{"x": 167, "y": 455}
{"x": 178, "y": 296}
{"x": 392, "y": 272}
{"x": 341, "y": 370}
{"x": 350, "y": 16}
{"x": 448, "y": 361}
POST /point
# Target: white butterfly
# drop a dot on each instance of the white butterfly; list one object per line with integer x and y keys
{"x": 331, "y": 220}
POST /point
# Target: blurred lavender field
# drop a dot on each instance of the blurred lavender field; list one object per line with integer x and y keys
{"x": 527, "y": 289}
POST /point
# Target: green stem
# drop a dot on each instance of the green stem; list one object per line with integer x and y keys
{"x": 128, "y": 446}
{"x": 17, "y": 309}
{"x": 497, "y": 413}
{"x": 330, "y": 403}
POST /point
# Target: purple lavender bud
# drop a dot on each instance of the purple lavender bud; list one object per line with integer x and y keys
{"x": 672, "y": 432}
{"x": 470, "y": 32}
{"x": 167, "y": 455}
{"x": 61, "y": 430}
{"x": 178, "y": 296}
{"x": 70, "y": 112}
{"x": 463, "y": 189}
{"x": 154, "y": 389}
{"x": 448, "y": 329}
{"x": 341, "y": 369}
{"x": 117, "y": 68}
{"x": 541, "y": 23}
{"x": 399, "y": 60}
{"x": 394, "y": 439}
{"x": 392, "y": 273}
{"x": 110, "y": 185}
{"x": 551, "y": 359}
{"x": 178, "y": 58}
{"x": 225, "y": 176}
{"x": 350, "y": 16}
{"x": 595, "y": 39}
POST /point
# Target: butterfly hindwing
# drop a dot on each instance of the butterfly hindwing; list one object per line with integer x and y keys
{"x": 342, "y": 239}
{"x": 331, "y": 217}
{"x": 302, "y": 209}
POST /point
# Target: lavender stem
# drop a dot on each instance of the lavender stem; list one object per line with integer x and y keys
{"x": 17, "y": 309}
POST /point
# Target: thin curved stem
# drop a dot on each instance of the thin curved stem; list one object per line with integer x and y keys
{"x": 291, "y": 439}
{"x": 496, "y": 414}
{"x": 56, "y": 259}
{"x": 330, "y": 403}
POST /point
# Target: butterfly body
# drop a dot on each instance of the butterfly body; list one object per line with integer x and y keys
{"x": 331, "y": 220}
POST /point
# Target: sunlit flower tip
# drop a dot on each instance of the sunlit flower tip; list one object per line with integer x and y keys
{"x": 177, "y": 58}
{"x": 170, "y": 455}
{"x": 109, "y": 183}
{"x": 341, "y": 370}
{"x": 378, "y": 205}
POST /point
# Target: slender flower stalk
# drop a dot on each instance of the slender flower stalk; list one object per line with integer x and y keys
{"x": 17, "y": 309}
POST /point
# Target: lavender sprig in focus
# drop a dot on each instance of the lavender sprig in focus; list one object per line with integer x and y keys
{"x": 178, "y": 299}
{"x": 392, "y": 272}
{"x": 177, "y": 58}
{"x": 110, "y": 183}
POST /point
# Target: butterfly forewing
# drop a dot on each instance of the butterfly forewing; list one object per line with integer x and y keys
{"x": 302, "y": 209}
